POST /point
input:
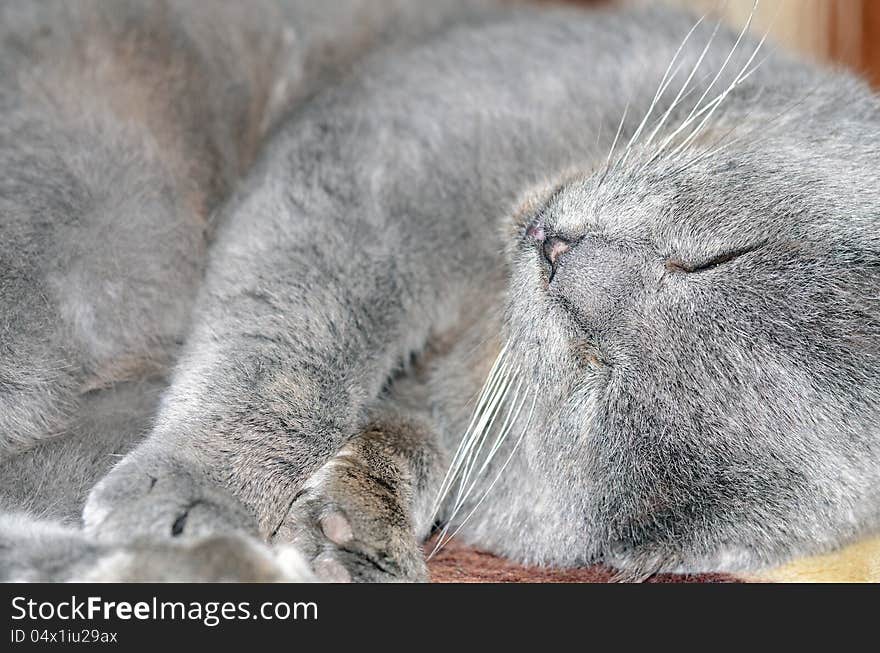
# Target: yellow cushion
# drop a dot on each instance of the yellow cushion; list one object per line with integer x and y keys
{"x": 856, "y": 563}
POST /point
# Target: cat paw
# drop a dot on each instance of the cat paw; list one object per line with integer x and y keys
{"x": 161, "y": 499}
{"x": 226, "y": 558}
{"x": 349, "y": 521}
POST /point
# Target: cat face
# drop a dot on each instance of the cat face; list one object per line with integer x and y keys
{"x": 703, "y": 342}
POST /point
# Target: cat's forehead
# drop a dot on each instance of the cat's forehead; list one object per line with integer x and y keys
{"x": 720, "y": 199}
{"x": 632, "y": 207}
{"x": 593, "y": 203}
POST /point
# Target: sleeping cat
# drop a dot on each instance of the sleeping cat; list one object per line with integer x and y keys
{"x": 631, "y": 256}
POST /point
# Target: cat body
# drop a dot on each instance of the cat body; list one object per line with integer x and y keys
{"x": 678, "y": 289}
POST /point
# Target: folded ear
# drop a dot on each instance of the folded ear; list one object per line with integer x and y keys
{"x": 856, "y": 563}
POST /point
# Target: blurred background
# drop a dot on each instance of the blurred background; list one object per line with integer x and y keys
{"x": 846, "y": 32}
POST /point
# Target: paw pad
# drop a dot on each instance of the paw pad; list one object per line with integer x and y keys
{"x": 336, "y": 528}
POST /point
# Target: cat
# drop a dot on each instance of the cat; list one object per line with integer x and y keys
{"x": 631, "y": 255}
{"x": 124, "y": 127}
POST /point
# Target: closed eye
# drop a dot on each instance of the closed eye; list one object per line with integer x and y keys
{"x": 676, "y": 265}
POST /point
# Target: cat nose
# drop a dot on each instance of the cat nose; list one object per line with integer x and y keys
{"x": 552, "y": 247}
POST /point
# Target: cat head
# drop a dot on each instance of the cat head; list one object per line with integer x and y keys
{"x": 701, "y": 332}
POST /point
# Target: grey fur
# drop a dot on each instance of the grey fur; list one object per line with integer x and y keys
{"x": 691, "y": 412}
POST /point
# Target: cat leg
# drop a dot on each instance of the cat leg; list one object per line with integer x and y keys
{"x": 41, "y": 551}
{"x": 363, "y": 516}
{"x": 50, "y": 481}
{"x": 320, "y": 284}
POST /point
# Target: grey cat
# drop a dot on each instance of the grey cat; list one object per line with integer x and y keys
{"x": 656, "y": 241}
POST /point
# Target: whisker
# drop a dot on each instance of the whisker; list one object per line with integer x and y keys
{"x": 684, "y": 86}
{"x": 697, "y": 107}
{"x": 665, "y": 81}
{"x": 719, "y": 144}
{"x": 736, "y": 82}
{"x": 482, "y": 434}
{"x": 614, "y": 144}
{"x": 471, "y": 437}
{"x": 443, "y": 539}
{"x": 461, "y": 497}
{"x": 762, "y": 126}
{"x": 506, "y": 427}
{"x": 505, "y": 430}
{"x": 448, "y": 479}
